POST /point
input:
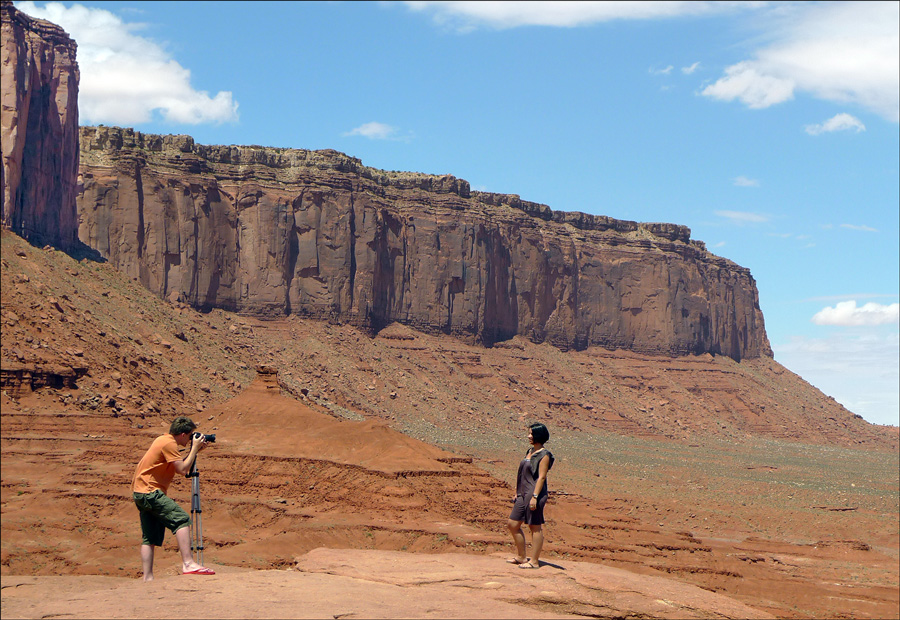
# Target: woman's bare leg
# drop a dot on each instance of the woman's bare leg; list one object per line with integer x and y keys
{"x": 537, "y": 542}
{"x": 515, "y": 528}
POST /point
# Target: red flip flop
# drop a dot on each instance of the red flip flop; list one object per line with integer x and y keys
{"x": 199, "y": 571}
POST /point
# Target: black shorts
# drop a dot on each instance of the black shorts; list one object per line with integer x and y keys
{"x": 521, "y": 512}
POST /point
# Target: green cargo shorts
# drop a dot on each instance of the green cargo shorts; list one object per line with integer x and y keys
{"x": 158, "y": 512}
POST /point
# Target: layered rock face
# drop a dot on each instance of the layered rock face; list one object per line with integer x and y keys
{"x": 269, "y": 232}
{"x": 39, "y": 129}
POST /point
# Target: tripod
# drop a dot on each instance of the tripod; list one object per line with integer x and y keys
{"x": 196, "y": 514}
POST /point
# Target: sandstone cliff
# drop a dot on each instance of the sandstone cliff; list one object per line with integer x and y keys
{"x": 39, "y": 129}
{"x": 267, "y": 232}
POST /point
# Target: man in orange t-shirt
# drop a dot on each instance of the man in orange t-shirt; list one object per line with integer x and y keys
{"x": 152, "y": 478}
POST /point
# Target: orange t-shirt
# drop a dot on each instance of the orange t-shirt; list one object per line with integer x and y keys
{"x": 156, "y": 469}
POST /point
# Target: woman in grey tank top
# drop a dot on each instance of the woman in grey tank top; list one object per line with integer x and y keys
{"x": 531, "y": 496}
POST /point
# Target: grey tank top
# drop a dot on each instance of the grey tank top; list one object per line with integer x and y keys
{"x": 527, "y": 476}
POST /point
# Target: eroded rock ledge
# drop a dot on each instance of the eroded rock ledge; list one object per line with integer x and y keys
{"x": 268, "y": 231}
{"x": 20, "y": 379}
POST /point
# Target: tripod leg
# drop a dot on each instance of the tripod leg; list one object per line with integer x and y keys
{"x": 200, "y": 537}
{"x": 196, "y": 538}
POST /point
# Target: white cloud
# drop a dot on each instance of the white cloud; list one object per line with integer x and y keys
{"x": 755, "y": 89}
{"x": 743, "y": 217}
{"x": 862, "y": 228}
{"x": 839, "y": 122}
{"x": 847, "y": 313}
{"x": 665, "y": 71}
{"x": 691, "y": 69}
{"x": 860, "y": 369}
{"x": 846, "y": 52}
{"x": 469, "y": 15}
{"x": 126, "y": 78}
{"x": 743, "y": 181}
{"x": 378, "y": 131}
{"x": 373, "y": 131}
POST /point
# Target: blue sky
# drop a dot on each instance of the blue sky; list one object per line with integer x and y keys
{"x": 770, "y": 129}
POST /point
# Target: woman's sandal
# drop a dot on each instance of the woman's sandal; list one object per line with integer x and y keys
{"x": 517, "y": 561}
{"x": 528, "y": 564}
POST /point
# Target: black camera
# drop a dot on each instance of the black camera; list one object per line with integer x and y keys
{"x": 209, "y": 438}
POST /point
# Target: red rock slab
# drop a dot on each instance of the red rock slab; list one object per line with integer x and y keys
{"x": 564, "y": 587}
{"x": 348, "y": 583}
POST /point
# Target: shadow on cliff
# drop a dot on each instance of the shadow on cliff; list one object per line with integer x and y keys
{"x": 81, "y": 251}
{"x": 78, "y": 250}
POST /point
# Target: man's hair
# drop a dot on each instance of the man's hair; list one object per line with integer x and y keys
{"x": 540, "y": 433}
{"x": 181, "y": 424}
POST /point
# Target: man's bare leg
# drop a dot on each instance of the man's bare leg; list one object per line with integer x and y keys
{"x": 147, "y": 561}
{"x": 183, "y": 536}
